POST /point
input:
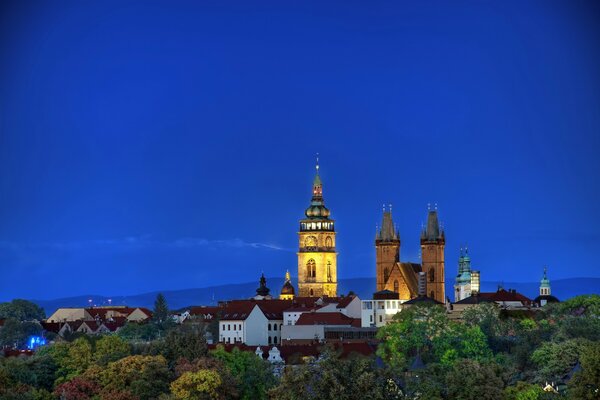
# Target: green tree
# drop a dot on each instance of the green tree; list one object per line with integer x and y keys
{"x": 585, "y": 384}
{"x": 523, "y": 391}
{"x": 554, "y": 360}
{"x": 200, "y": 385}
{"x": 333, "y": 378}
{"x": 254, "y": 375}
{"x": 22, "y": 310}
{"x": 470, "y": 380}
{"x": 15, "y": 332}
{"x": 161, "y": 309}
{"x": 111, "y": 348}
{"x": 412, "y": 332}
{"x": 135, "y": 331}
{"x": 144, "y": 376}
{"x": 186, "y": 341}
{"x": 460, "y": 341}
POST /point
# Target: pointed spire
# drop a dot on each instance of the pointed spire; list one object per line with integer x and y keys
{"x": 288, "y": 277}
{"x": 388, "y": 232}
{"x": 317, "y": 209}
{"x": 433, "y": 232}
{"x": 317, "y": 184}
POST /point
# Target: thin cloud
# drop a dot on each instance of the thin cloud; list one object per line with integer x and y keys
{"x": 143, "y": 241}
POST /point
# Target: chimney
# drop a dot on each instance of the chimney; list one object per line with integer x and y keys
{"x": 422, "y": 284}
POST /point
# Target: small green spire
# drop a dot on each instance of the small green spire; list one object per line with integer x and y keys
{"x": 545, "y": 282}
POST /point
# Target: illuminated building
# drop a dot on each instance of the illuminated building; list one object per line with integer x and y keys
{"x": 287, "y": 291}
{"x": 402, "y": 277}
{"x": 317, "y": 257}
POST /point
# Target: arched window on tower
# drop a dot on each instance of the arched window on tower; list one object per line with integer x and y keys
{"x": 328, "y": 271}
{"x": 311, "y": 269}
{"x": 431, "y": 294}
{"x": 312, "y": 293}
{"x": 328, "y": 242}
{"x": 431, "y": 275}
{"x": 396, "y": 287}
{"x": 386, "y": 274}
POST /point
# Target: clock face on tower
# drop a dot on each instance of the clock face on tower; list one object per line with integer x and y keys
{"x": 310, "y": 241}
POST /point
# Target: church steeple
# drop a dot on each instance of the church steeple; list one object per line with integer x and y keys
{"x": 432, "y": 231}
{"x": 545, "y": 289}
{"x": 432, "y": 256}
{"x": 317, "y": 209}
{"x": 317, "y": 258}
{"x": 387, "y": 233}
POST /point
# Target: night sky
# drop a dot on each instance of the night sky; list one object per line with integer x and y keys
{"x": 167, "y": 145}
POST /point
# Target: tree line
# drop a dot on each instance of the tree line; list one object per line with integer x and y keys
{"x": 492, "y": 354}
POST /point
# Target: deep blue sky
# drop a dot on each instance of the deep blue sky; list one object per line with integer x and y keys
{"x": 165, "y": 145}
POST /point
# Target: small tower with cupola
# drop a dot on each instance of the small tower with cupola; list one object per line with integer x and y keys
{"x": 545, "y": 296}
{"x": 317, "y": 257}
{"x": 287, "y": 291}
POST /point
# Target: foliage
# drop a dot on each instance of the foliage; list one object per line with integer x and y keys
{"x": 333, "y": 378}
{"x": 254, "y": 376}
{"x": 523, "y": 391}
{"x": 78, "y": 388}
{"x": 555, "y": 360}
{"x": 411, "y": 333}
{"x": 22, "y": 310}
{"x": 137, "y": 331}
{"x": 203, "y": 384}
{"x": 161, "y": 309}
{"x": 14, "y": 333}
{"x": 586, "y": 383}
{"x": 144, "y": 376}
{"x": 587, "y": 305}
{"x": 470, "y": 380}
{"x": 111, "y": 348}
{"x": 185, "y": 342}
{"x": 426, "y": 331}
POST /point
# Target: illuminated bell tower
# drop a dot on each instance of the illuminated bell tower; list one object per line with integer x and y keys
{"x": 433, "y": 241}
{"x": 317, "y": 258}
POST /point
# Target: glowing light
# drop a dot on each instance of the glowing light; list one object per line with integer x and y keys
{"x": 35, "y": 341}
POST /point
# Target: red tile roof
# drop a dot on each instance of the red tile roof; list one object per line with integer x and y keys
{"x": 345, "y": 301}
{"x": 273, "y": 309}
{"x": 52, "y": 326}
{"x": 238, "y": 309}
{"x": 204, "y": 311}
{"x": 506, "y": 295}
{"x": 114, "y": 325}
{"x": 325, "y": 318}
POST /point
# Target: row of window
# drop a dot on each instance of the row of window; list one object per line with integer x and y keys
{"x": 274, "y": 327}
{"x": 316, "y": 225}
{"x": 234, "y": 325}
{"x": 311, "y": 269}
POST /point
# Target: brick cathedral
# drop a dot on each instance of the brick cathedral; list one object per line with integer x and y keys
{"x": 403, "y": 277}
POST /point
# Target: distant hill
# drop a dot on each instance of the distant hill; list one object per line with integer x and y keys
{"x": 363, "y": 287}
